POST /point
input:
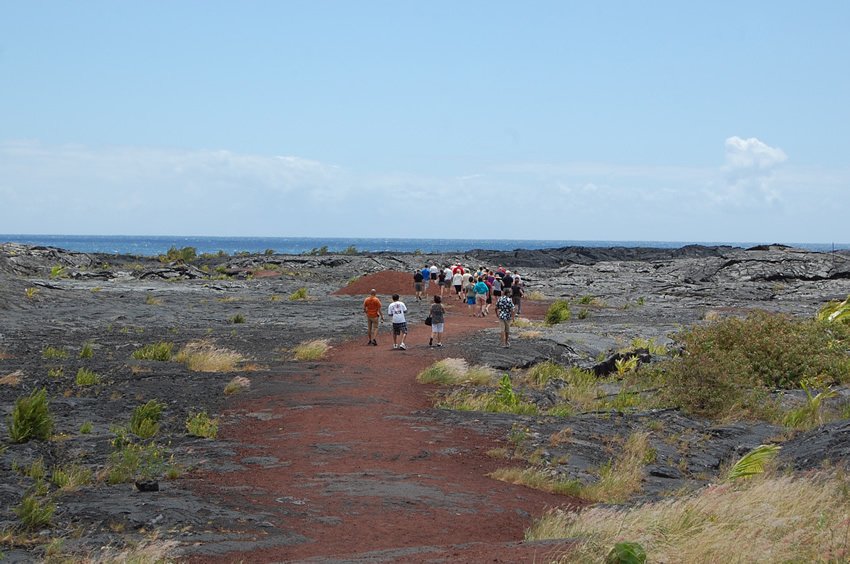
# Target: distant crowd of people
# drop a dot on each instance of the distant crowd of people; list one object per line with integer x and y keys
{"x": 479, "y": 289}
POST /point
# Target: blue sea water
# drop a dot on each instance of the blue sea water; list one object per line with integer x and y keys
{"x": 154, "y": 245}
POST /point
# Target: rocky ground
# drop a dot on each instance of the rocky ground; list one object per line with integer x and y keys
{"x": 50, "y": 298}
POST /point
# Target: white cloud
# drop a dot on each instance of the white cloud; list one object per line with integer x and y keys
{"x": 748, "y": 173}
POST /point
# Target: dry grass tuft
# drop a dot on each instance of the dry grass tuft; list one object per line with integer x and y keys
{"x": 535, "y": 296}
{"x": 236, "y": 385}
{"x": 203, "y": 356}
{"x": 12, "y": 379}
{"x": 529, "y": 335}
{"x": 150, "y": 551}
{"x": 454, "y": 372}
{"x": 316, "y": 349}
{"x": 771, "y": 519}
{"x": 4, "y": 355}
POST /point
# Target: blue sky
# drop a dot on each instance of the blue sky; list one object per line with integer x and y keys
{"x": 669, "y": 121}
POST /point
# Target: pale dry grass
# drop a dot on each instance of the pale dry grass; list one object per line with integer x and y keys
{"x": 12, "y": 379}
{"x": 535, "y": 296}
{"x": 316, "y": 349}
{"x": 4, "y": 355}
{"x": 770, "y": 519}
{"x": 529, "y": 335}
{"x": 151, "y": 551}
{"x": 204, "y": 356}
{"x": 537, "y": 479}
{"x": 237, "y": 385}
{"x": 455, "y": 372}
{"x": 523, "y": 322}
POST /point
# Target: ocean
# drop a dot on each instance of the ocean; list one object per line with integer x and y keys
{"x": 143, "y": 245}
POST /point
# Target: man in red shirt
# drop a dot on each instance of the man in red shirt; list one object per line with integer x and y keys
{"x": 372, "y": 309}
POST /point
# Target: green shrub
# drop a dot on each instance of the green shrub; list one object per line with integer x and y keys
{"x": 186, "y": 254}
{"x": 731, "y": 365}
{"x": 200, "y": 425}
{"x": 155, "y": 351}
{"x": 133, "y": 461}
{"x": 238, "y": 318}
{"x": 35, "y": 512}
{"x": 86, "y": 377}
{"x": 835, "y": 312}
{"x": 86, "y": 428}
{"x": 57, "y": 271}
{"x": 558, "y": 312}
{"x": 144, "y": 422}
{"x": 31, "y": 418}
{"x": 626, "y": 553}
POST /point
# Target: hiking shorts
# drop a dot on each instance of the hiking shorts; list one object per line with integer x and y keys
{"x": 399, "y": 328}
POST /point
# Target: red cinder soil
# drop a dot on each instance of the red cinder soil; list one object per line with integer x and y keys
{"x": 368, "y": 471}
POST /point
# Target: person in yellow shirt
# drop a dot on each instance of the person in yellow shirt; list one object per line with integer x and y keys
{"x": 372, "y": 309}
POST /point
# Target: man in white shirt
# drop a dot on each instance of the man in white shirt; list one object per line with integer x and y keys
{"x": 397, "y": 310}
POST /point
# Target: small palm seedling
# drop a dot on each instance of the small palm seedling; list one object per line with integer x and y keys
{"x": 753, "y": 462}
{"x": 144, "y": 422}
{"x": 31, "y": 418}
{"x": 505, "y": 394}
{"x": 558, "y": 312}
{"x": 299, "y": 294}
{"x": 155, "y": 351}
{"x": 810, "y": 414}
{"x": 626, "y": 365}
{"x": 311, "y": 350}
{"x": 86, "y": 377}
{"x": 200, "y": 425}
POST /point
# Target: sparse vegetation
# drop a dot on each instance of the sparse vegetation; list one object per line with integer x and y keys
{"x": 558, "y": 312}
{"x": 200, "y": 425}
{"x": 501, "y": 400}
{"x": 55, "y": 372}
{"x": 810, "y": 414}
{"x": 71, "y": 477}
{"x": 54, "y": 353}
{"x": 779, "y": 519}
{"x": 86, "y": 428}
{"x": 87, "y": 351}
{"x": 161, "y": 351}
{"x": 350, "y": 250}
{"x": 35, "y": 511}
{"x": 311, "y": 350}
{"x": 236, "y": 385}
{"x": 144, "y": 422}
{"x": 835, "y": 312}
{"x": 86, "y": 377}
{"x": 31, "y": 418}
{"x": 184, "y": 254}
{"x": 299, "y": 294}
{"x": 150, "y": 299}
{"x": 58, "y": 271}
{"x": 454, "y": 372}
{"x": 238, "y": 318}
{"x": 203, "y": 356}
{"x": 542, "y": 373}
{"x": 31, "y": 293}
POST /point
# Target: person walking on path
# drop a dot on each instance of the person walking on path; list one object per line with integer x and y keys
{"x": 505, "y": 313}
{"x": 418, "y": 284}
{"x": 426, "y": 276}
{"x": 396, "y": 310}
{"x": 481, "y": 291}
{"x": 374, "y": 311}
{"x": 470, "y": 296}
{"x": 457, "y": 282}
{"x": 437, "y": 314}
{"x": 516, "y": 296}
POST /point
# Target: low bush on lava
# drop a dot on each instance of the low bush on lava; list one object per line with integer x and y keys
{"x": 161, "y": 351}
{"x": 31, "y": 418}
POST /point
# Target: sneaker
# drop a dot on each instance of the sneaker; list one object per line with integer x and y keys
{"x": 439, "y": 344}
{"x": 402, "y": 347}
{"x": 431, "y": 342}
{"x": 374, "y": 343}
{"x": 395, "y": 346}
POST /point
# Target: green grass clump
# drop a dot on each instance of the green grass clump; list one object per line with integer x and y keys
{"x": 299, "y": 294}
{"x": 86, "y": 428}
{"x": 86, "y": 377}
{"x": 35, "y": 511}
{"x": 87, "y": 351}
{"x": 144, "y": 422}
{"x": 54, "y": 353}
{"x": 236, "y": 385}
{"x": 731, "y": 365}
{"x": 155, "y": 351}
{"x": 55, "y": 372}
{"x": 238, "y": 318}
{"x": 200, "y": 425}
{"x": 503, "y": 399}
{"x": 835, "y": 312}
{"x": 31, "y": 418}
{"x": 132, "y": 461}
{"x": 558, "y": 312}
{"x": 542, "y": 373}
{"x": 454, "y": 372}
{"x": 185, "y": 254}
{"x": 71, "y": 477}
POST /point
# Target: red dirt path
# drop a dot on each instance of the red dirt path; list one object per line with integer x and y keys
{"x": 370, "y": 472}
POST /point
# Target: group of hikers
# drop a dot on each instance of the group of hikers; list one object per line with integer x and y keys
{"x": 479, "y": 289}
